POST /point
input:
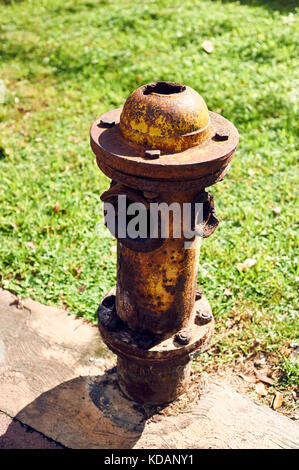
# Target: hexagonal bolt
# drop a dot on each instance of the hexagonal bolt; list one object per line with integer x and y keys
{"x": 202, "y": 317}
{"x": 106, "y": 123}
{"x": 152, "y": 154}
{"x": 198, "y": 293}
{"x": 183, "y": 337}
{"x": 220, "y": 136}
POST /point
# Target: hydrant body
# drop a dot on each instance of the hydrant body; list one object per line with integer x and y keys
{"x": 163, "y": 148}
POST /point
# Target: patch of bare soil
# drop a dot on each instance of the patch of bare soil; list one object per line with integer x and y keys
{"x": 258, "y": 378}
{"x": 257, "y": 374}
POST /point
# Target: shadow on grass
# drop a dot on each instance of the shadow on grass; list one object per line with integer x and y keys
{"x": 2, "y": 153}
{"x": 10, "y": 2}
{"x": 283, "y": 6}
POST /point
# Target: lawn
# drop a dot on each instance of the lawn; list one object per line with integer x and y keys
{"x": 63, "y": 63}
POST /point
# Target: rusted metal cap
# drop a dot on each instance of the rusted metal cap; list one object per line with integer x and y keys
{"x": 165, "y": 115}
{"x": 164, "y": 139}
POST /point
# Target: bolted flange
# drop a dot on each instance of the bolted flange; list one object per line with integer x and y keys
{"x": 153, "y": 368}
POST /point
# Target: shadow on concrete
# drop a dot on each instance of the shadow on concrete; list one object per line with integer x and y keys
{"x": 20, "y": 436}
{"x": 284, "y": 6}
{"x": 85, "y": 412}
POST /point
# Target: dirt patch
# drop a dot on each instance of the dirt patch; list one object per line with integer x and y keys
{"x": 245, "y": 377}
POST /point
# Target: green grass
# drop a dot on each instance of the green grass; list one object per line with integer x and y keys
{"x": 64, "y": 63}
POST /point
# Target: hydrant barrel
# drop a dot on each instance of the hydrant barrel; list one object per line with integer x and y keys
{"x": 159, "y": 292}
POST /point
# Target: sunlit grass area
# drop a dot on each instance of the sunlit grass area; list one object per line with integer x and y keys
{"x": 63, "y": 63}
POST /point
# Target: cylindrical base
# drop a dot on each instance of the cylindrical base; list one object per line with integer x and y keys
{"x": 152, "y": 384}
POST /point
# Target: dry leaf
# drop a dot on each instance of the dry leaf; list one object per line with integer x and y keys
{"x": 276, "y": 210}
{"x": 293, "y": 355}
{"x": 71, "y": 138}
{"x": 264, "y": 378}
{"x": 277, "y": 402}
{"x": 56, "y": 207}
{"x": 260, "y": 362}
{"x": 248, "y": 263}
{"x": 30, "y": 244}
{"x": 261, "y": 389}
{"x": 13, "y": 225}
{"x": 79, "y": 269}
{"x": 207, "y": 46}
{"x": 23, "y": 110}
{"x": 227, "y": 292}
{"x": 248, "y": 378}
{"x": 48, "y": 227}
{"x": 219, "y": 110}
{"x": 81, "y": 288}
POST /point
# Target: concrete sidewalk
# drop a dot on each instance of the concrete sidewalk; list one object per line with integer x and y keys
{"x": 15, "y": 435}
{"x": 40, "y": 348}
{"x": 58, "y": 388}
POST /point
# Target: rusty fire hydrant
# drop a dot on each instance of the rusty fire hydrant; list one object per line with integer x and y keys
{"x": 162, "y": 146}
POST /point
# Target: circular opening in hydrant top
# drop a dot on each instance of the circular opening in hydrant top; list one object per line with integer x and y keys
{"x": 163, "y": 88}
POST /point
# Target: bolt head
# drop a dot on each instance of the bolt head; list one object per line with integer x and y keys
{"x": 106, "y": 123}
{"x": 198, "y": 293}
{"x": 203, "y": 317}
{"x": 152, "y": 154}
{"x": 183, "y": 337}
{"x": 220, "y": 136}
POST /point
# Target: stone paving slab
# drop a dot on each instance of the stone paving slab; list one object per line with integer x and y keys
{"x": 14, "y": 435}
{"x": 41, "y": 347}
{"x": 56, "y": 377}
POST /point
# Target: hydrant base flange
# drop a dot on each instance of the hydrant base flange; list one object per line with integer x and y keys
{"x": 153, "y": 368}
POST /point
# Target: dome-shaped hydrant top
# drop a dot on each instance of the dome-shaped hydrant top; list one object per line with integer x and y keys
{"x": 162, "y": 138}
{"x": 165, "y": 115}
